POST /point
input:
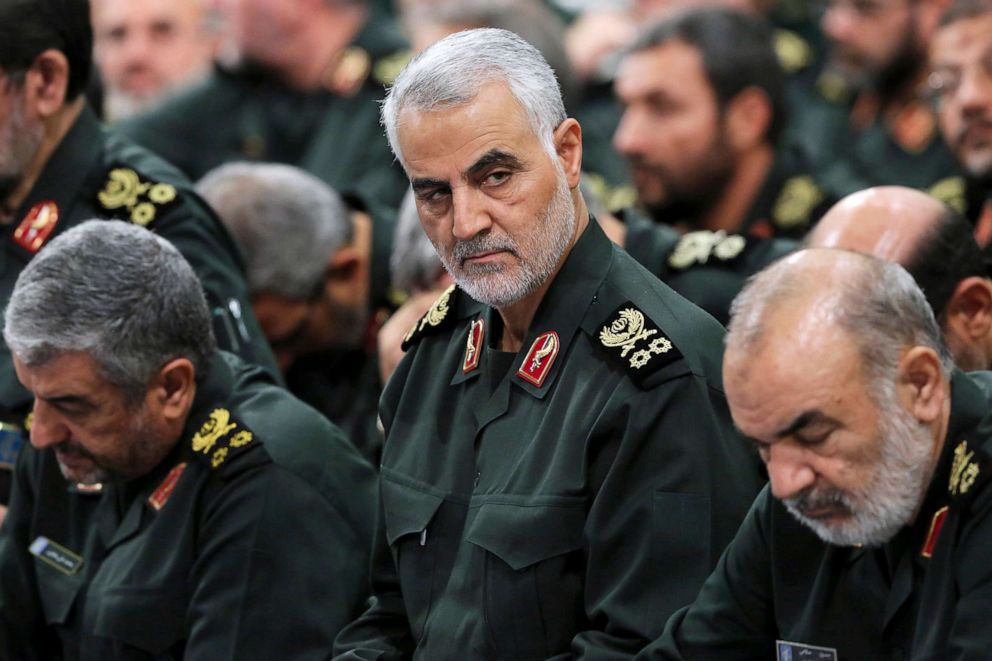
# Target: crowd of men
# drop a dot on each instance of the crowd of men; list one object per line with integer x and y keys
{"x": 516, "y": 329}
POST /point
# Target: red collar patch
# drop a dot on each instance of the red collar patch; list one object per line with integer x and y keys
{"x": 158, "y": 499}
{"x": 936, "y": 523}
{"x": 540, "y": 358}
{"x": 473, "y": 345}
{"x": 37, "y": 226}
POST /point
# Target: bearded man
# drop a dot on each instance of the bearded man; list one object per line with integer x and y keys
{"x": 871, "y": 540}
{"x": 559, "y": 466}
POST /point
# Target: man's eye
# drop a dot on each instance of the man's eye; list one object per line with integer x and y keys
{"x": 497, "y": 178}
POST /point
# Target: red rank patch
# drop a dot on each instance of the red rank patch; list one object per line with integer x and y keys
{"x": 158, "y": 499}
{"x": 936, "y": 523}
{"x": 37, "y": 226}
{"x": 540, "y": 358}
{"x": 473, "y": 345}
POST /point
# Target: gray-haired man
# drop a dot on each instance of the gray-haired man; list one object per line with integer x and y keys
{"x": 559, "y": 470}
{"x": 233, "y": 520}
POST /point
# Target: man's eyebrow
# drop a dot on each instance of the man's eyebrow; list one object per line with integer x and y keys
{"x": 70, "y": 400}
{"x": 427, "y": 183}
{"x": 493, "y": 157}
{"x": 805, "y": 419}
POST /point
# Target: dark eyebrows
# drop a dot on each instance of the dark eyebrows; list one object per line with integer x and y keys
{"x": 69, "y": 400}
{"x": 806, "y": 419}
{"x": 425, "y": 184}
{"x": 494, "y": 157}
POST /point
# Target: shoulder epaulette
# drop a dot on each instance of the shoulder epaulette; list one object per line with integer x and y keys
{"x": 127, "y": 196}
{"x": 632, "y": 339}
{"x": 221, "y": 437}
{"x": 387, "y": 68}
{"x": 796, "y": 202}
{"x": 971, "y": 468}
{"x": 951, "y": 191}
{"x": 436, "y": 318}
{"x": 698, "y": 247}
{"x": 350, "y": 71}
{"x": 792, "y": 51}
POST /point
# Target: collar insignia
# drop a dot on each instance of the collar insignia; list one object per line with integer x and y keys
{"x": 431, "y": 320}
{"x": 964, "y": 470}
{"x": 37, "y": 226}
{"x": 128, "y": 197}
{"x": 698, "y": 247}
{"x": 161, "y": 495}
{"x": 217, "y": 430}
{"x": 936, "y": 523}
{"x": 538, "y": 361}
{"x": 474, "y": 345}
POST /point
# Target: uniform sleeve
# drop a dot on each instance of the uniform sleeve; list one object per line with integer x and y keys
{"x": 277, "y": 572}
{"x": 732, "y": 617}
{"x": 672, "y": 496}
{"x": 23, "y": 630}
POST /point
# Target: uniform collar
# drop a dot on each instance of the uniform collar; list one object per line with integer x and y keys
{"x": 213, "y": 391}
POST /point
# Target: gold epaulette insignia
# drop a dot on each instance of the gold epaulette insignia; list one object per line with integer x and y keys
{"x": 218, "y": 435}
{"x": 630, "y": 337}
{"x": 792, "y": 51}
{"x": 796, "y": 202}
{"x": 950, "y": 191}
{"x": 697, "y": 248}
{"x": 964, "y": 470}
{"x": 346, "y": 76}
{"x": 431, "y": 320}
{"x": 831, "y": 86}
{"x": 127, "y": 196}
{"x": 388, "y": 67}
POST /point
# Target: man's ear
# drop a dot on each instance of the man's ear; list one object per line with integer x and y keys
{"x": 747, "y": 119}
{"x": 969, "y": 311}
{"x": 46, "y": 82}
{"x": 343, "y": 264}
{"x": 172, "y": 390}
{"x": 921, "y": 383}
{"x": 568, "y": 145}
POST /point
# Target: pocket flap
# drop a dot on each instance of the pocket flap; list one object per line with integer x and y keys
{"x": 524, "y": 534}
{"x": 408, "y": 510}
{"x": 151, "y": 619}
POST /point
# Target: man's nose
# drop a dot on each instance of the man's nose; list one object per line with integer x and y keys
{"x": 47, "y": 428}
{"x": 788, "y": 470}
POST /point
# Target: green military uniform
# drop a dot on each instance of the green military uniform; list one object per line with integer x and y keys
{"x": 923, "y": 595}
{"x": 247, "y": 115}
{"x": 708, "y": 268}
{"x": 250, "y": 540}
{"x": 95, "y": 174}
{"x": 567, "y": 497}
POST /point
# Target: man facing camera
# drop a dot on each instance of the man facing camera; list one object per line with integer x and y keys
{"x": 233, "y": 521}
{"x": 559, "y": 469}
{"x": 871, "y": 540}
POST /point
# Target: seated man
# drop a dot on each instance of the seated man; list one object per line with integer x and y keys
{"x": 872, "y": 539}
{"x": 234, "y": 522}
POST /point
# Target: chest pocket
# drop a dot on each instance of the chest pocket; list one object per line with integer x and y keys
{"x": 147, "y": 619}
{"x": 415, "y": 543}
{"x": 532, "y": 574}
{"x": 57, "y": 591}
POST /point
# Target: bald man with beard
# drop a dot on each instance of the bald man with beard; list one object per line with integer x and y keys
{"x": 935, "y": 244}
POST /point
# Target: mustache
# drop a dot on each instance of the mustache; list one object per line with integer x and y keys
{"x": 479, "y": 245}
{"x": 810, "y": 500}
{"x": 72, "y": 449}
{"x": 973, "y": 123}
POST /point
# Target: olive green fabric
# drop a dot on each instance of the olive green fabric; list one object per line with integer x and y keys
{"x": 532, "y": 508}
{"x": 259, "y": 552}
{"x": 247, "y": 115}
{"x": 779, "y": 581}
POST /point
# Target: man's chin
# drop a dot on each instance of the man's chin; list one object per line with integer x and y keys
{"x": 82, "y": 471}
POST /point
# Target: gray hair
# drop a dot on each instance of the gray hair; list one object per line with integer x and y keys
{"x": 116, "y": 292}
{"x": 452, "y": 71}
{"x": 413, "y": 264}
{"x": 286, "y": 222}
{"x": 878, "y": 304}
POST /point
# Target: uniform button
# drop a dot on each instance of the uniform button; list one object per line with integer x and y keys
{"x": 478, "y": 477}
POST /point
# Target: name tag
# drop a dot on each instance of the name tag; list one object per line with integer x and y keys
{"x": 56, "y": 555}
{"x": 789, "y": 651}
{"x": 11, "y": 440}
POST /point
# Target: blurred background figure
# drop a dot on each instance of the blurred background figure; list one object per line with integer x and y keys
{"x": 147, "y": 50}
{"x": 318, "y": 275}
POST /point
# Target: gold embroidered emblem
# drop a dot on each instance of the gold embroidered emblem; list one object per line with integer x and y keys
{"x": 125, "y": 190}
{"x": 28, "y": 421}
{"x": 625, "y": 331}
{"x": 796, "y": 202}
{"x": 219, "y": 456}
{"x": 696, "y": 247}
{"x": 964, "y": 471}
{"x": 387, "y": 68}
{"x": 243, "y": 437}
{"x": 950, "y": 191}
{"x": 211, "y": 431}
{"x": 792, "y": 51}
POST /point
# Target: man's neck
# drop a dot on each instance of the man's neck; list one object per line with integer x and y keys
{"x": 731, "y": 208}
{"x": 317, "y": 50}
{"x": 56, "y": 128}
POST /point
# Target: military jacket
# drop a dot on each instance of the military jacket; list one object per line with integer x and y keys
{"x": 708, "y": 268}
{"x": 559, "y": 501}
{"x": 95, "y": 174}
{"x": 249, "y": 541}
{"x": 923, "y": 595}
{"x": 247, "y": 115}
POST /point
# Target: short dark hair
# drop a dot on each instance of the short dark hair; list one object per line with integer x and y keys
{"x": 28, "y": 27}
{"x": 946, "y": 255}
{"x": 960, "y": 10}
{"x": 737, "y": 52}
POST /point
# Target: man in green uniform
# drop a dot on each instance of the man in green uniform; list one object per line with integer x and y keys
{"x": 559, "y": 469}
{"x": 865, "y": 121}
{"x": 961, "y": 60}
{"x": 871, "y": 540}
{"x": 318, "y": 274}
{"x": 304, "y": 91}
{"x": 234, "y": 521}
{"x": 59, "y": 166}
{"x": 704, "y": 108}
